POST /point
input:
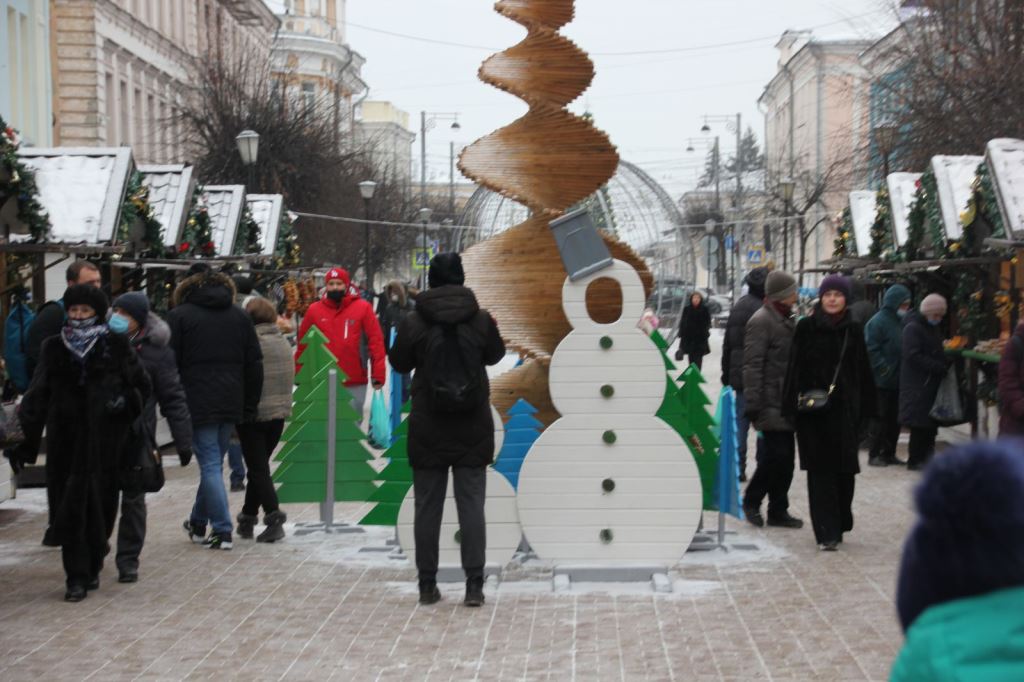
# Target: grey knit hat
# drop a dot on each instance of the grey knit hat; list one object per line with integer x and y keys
{"x": 779, "y": 286}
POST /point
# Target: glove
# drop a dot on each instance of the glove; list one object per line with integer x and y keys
{"x": 679, "y": 354}
{"x": 185, "y": 456}
{"x": 377, "y": 385}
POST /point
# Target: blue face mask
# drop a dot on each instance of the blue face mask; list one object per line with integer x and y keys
{"x": 934, "y": 323}
{"x": 902, "y": 313}
{"x": 118, "y": 324}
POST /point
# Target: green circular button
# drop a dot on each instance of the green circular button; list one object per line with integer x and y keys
{"x": 608, "y": 485}
{"x": 609, "y": 437}
{"x": 458, "y": 536}
{"x": 606, "y": 535}
{"x": 606, "y": 342}
{"x": 607, "y": 390}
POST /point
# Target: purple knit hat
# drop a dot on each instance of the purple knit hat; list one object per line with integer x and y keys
{"x": 835, "y": 283}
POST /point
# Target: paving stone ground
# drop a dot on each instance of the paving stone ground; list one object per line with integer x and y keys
{"x": 314, "y": 608}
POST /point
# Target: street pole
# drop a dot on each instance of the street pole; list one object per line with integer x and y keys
{"x": 785, "y": 238}
{"x": 451, "y": 180}
{"x": 366, "y": 264}
{"x": 251, "y": 189}
{"x": 718, "y": 198}
{"x": 423, "y": 158}
{"x": 423, "y": 283}
{"x": 737, "y": 205}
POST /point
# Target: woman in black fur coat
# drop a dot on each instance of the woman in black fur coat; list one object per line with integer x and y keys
{"x": 87, "y": 391}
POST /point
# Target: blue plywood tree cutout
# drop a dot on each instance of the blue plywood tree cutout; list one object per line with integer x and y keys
{"x": 521, "y": 430}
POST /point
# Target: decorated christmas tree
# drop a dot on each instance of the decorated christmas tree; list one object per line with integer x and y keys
{"x": 286, "y": 251}
{"x": 248, "y": 239}
{"x": 198, "y": 238}
{"x": 395, "y": 478}
{"x": 303, "y": 470}
{"x": 19, "y": 195}
{"x": 521, "y": 430}
{"x": 138, "y": 219}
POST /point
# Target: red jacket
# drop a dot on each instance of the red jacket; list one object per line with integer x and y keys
{"x": 344, "y": 325}
{"x": 1011, "y": 386}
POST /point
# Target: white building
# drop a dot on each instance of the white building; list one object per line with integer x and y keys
{"x": 383, "y": 131}
{"x": 25, "y": 89}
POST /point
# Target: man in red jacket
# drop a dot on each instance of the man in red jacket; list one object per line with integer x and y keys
{"x": 345, "y": 319}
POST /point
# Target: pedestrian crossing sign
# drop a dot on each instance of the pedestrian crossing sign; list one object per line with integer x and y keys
{"x": 421, "y": 258}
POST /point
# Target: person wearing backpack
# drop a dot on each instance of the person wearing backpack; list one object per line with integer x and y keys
{"x": 1011, "y": 386}
{"x": 449, "y": 341}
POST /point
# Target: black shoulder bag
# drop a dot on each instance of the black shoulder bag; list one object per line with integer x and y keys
{"x": 816, "y": 399}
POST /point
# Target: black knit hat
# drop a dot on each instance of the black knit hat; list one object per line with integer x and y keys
{"x": 135, "y": 304}
{"x": 87, "y": 294}
{"x": 755, "y": 281}
{"x": 446, "y": 268}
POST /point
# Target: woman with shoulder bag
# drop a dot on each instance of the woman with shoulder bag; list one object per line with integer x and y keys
{"x": 829, "y": 390}
{"x": 922, "y": 367}
{"x": 260, "y": 438}
{"x": 694, "y": 330}
{"x": 142, "y": 471}
{"x": 87, "y": 391}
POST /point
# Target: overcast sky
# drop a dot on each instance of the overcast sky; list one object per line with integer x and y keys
{"x": 648, "y": 103}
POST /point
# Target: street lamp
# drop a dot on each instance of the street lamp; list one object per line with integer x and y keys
{"x": 885, "y": 138}
{"x": 709, "y": 240}
{"x": 425, "y": 214}
{"x": 427, "y": 121}
{"x": 248, "y": 142}
{"x": 786, "y": 187}
{"x": 366, "y": 189}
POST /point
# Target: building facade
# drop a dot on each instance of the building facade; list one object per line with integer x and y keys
{"x": 310, "y": 55}
{"x": 382, "y": 130}
{"x": 816, "y": 134}
{"x": 25, "y": 69}
{"x": 121, "y": 67}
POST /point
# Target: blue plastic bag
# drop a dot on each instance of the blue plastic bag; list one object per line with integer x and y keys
{"x": 380, "y": 422}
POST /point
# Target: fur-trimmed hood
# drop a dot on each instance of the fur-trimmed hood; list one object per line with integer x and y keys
{"x": 157, "y": 333}
{"x": 206, "y": 289}
{"x": 397, "y": 287}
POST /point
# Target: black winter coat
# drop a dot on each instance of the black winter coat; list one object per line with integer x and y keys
{"x": 48, "y": 322}
{"x": 922, "y": 368}
{"x": 732, "y": 347}
{"x": 88, "y": 411}
{"x": 442, "y": 439}
{"x": 218, "y": 353}
{"x": 153, "y": 347}
{"x": 828, "y": 439}
{"x": 694, "y": 329}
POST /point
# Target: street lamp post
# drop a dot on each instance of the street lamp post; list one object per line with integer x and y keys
{"x": 366, "y": 189}
{"x": 709, "y": 231}
{"x": 733, "y": 124}
{"x": 425, "y": 214}
{"x": 248, "y": 142}
{"x": 427, "y": 120}
{"x": 786, "y": 186}
{"x": 885, "y": 138}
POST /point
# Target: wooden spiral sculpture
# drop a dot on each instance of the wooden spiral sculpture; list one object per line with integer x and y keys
{"x": 548, "y": 160}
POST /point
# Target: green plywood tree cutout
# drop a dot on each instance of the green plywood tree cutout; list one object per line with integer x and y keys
{"x": 303, "y": 469}
{"x": 395, "y": 478}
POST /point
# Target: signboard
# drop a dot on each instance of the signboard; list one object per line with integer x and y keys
{"x": 755, "y": 256}
{"x": 729, "y": 241}
{"x": 421, "y": 258}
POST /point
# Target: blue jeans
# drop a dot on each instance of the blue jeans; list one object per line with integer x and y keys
{"x": 235, "y": 461}
{"x": 209, "y": 442}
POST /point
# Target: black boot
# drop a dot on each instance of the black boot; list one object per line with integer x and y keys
{"x": 75, "y": 592}
{"x": 784, "y": 520}
{"x": 275, "y": 522}
{"x": 245, "y": 525}
{"x": 429, "y": 594}
{"x": 753, "y": 515}
{"x": 474, "y": 591}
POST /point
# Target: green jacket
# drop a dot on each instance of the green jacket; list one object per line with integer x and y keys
{"x": 884, "y": 334}
{"x": 978, "y": 639}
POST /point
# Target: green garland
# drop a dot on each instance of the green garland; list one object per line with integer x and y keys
{"x": 989, "y": 204}
{"x": 845, "y": 244}
{"x": 881, "y": 229}
{"x": 286, "y": 252}
{"x": 933, "y": 212}
{"x": 916, "y": 224}
{"x": 968, "y": 302}
{"x": 198, "y": 238}
{"x": 248, "y": 238}
{"x": 18, "y": 180}
{"x": 135, "y": 207}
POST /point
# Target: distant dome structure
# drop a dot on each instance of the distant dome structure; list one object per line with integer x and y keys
{"x": 632, "y": 206}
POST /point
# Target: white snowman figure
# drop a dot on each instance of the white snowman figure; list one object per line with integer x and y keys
{"x": 608, "y": 483}
{"x": 502, "y": 517}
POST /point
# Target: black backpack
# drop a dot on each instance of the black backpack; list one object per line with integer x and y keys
{"x": 455, "y": 369}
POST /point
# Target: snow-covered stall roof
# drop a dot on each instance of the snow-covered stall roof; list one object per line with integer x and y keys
{"x": 82, "y": 189}
{"x": 224, "y": 204}
{"x": 266, "y": 211}
{"x": 863, "y": 211}
{"x": 902, "y": 187}
{"x": 170, "y": 195}
{"x": 1005, "y": 157}
{"x": 954, "y": 177}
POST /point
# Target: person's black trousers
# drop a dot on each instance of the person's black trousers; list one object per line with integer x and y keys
{"x": 131, "y": 532}
{"x": 922, "y": 444}
{"x": 774, "y": 473}
{"x": 887, "y": 426}
{"x": 696, "y": 359}
{"x": 258, "y": 441}
{"x": 830, "y": 496}
{"x": 430, "y": 487}
{"x": 84, "y": 547}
